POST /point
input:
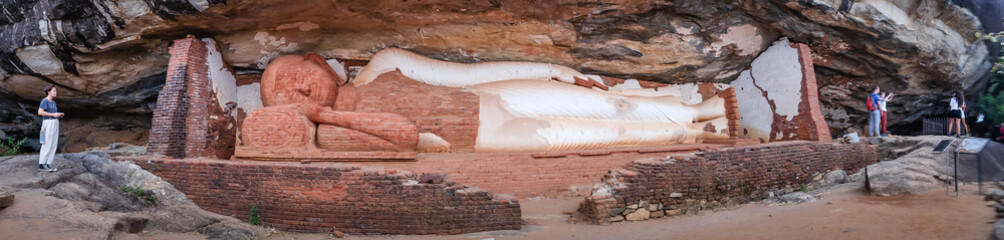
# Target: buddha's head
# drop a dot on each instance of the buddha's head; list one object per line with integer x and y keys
{"x": 293, "y": 79}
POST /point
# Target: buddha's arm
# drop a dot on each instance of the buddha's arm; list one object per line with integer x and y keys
{"x": 451, "y": 74}
{"x": 388, "y": 126}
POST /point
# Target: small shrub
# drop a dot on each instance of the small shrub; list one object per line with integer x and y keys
{"x": 253, "y": 217}
{"x": 139, "y": 193}
{"x": 803, "y": 188}
{"x": 10, "y": 146}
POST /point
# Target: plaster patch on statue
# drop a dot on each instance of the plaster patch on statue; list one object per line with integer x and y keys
{"x": 249, "y": 97}
{"x": 223, "y": 82}
{"x": 689, "y": 93}
{"x": 745, "y": 38}
{"x": 634, "y": 88}
{"x": 501, "y": 130}
{"x": 302, "y": 26}
{"x": 778, "y": 72}
{"x": 339, "y": 68}
{"x": 756, "y": 114}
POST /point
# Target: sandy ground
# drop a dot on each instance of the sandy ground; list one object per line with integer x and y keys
{"x": 842, "y": 212}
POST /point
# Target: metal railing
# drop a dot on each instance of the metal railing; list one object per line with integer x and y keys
{"x": 935, "y": 126}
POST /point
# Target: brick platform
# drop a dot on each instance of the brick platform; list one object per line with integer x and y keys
{"x": 352, "y": 199}
{"x": 525, "y": 175}
{"x": 688, "y": 183}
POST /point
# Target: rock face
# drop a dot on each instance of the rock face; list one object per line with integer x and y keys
{"x": 909, "y": 166}
{"x": 111, "y": 56}
{"x": 83, "y": 200}
{"x": 797, "y": 197}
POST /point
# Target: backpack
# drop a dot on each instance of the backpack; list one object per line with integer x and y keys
{"x": 871, "y": 106}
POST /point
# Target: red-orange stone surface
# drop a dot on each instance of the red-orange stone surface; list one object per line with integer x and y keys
{"x": 335, "y": 138}
{"x": 450, "y": 113}
{"x": 294, "y": 79}
{"x": 277, "y": 127}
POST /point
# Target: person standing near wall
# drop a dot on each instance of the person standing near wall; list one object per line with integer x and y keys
{"x": 955, "y": 113}
{"x": 49, "y": 136}
{"x": 882, "y": 106}
{"x": 874, "y": 114}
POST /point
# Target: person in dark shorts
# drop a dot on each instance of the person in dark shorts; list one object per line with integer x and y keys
{"x": 955, "y": 113}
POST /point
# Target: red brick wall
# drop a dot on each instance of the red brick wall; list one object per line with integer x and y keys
{"x": 245, "y": 79}
{"x": 528, "y": 175}
{"x": 168, "y": 133}
{"x": 318, "y": 197}
{"x": 181, "y": 125}
{"x": 720, "y": 177}
{"x": 811, "y": 123}
{"x": 197, "y": 119}
{"x": 447, "y": 112}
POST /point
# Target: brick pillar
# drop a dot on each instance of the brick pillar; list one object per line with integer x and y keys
{"x": 176, "y": 123}
{"x": 811, "y": 123}
{"x": 197, "y": 122}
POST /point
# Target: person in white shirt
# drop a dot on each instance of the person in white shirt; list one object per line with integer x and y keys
{"x": 882, "y": 107}
{"x": 955, "y": 113}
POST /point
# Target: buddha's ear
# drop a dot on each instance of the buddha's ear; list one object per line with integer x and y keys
{"x": 317, "y": 59}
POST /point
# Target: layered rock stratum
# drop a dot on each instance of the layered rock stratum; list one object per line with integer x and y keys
{"x": 111, "y": 56}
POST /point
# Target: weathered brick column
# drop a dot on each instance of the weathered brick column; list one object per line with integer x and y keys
{"x": 811, "y": 123}
{"x": 180, "y": 125}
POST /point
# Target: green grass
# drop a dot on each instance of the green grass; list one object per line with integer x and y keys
{"x": 10, "y": 146}
{"x": 138, "y": 192}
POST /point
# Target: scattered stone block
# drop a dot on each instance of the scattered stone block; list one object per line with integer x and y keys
{"x": 6, "y": 198}
{"x": 641, "y": 214}
{"x": 674, "y": 212}
{"x": 616, "y": 218}
{"x": 657, "y": 214}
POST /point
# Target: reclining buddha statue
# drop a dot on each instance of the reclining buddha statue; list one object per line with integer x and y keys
{"x": 401, "y": 101}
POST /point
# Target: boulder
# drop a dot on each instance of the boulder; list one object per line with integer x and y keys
{"x": 797, "y": 197}
{"x": 6, "y": 198}
{"x": 998, "y": 232}
{"x": 835, "y": 177}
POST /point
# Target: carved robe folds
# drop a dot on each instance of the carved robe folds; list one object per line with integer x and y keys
{"x": 298, "y": 92}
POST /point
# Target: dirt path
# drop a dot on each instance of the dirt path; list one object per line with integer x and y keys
{"x": 842, "y": 213}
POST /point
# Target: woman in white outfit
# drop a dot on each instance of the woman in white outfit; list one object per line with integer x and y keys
{"x": 955, "y": 114}
{"x": 49, "y": 136}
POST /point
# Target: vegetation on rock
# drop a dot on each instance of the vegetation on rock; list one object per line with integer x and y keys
{"x": 10, "y": 147}
{"x": 992, "y": 102}
{"x": 139, "y": 193}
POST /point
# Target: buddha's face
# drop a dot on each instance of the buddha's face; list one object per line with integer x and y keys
{"x": 294, "y": 79}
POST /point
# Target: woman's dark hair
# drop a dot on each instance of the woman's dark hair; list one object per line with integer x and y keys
{"x": 49, "y": 88}
{"x": 960, "y": 97}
